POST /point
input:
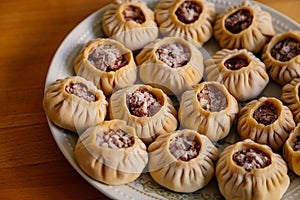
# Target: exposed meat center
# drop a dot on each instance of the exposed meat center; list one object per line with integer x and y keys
{"x": 236, "y": 63}
{"x": 297, "y": 144}
{"x": 133, "y": 13}
{"x": 212, "y": 99}
{"x": 286, "y": 49}
{"x": 174, "y": 55}
{"x": 114, "y": 139}
{"x": 80, "y": 90}
{"x": 251, "y": 159}
{"x": 266, "y": 114}
{"x": 238, "y": 21}
{"x": 188, "y": 12}
{"x": 184, "y": 148}
{"x": 107, "y": 57}
{"x": 143, "y": 103}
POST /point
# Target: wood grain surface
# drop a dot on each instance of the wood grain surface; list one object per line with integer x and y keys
{"x": 31, "y": 165}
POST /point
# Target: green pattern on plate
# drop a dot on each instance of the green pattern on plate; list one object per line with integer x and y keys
{"x": 146, "y": 185}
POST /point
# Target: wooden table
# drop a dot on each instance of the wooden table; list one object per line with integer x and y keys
{"x": 31, "y": 165}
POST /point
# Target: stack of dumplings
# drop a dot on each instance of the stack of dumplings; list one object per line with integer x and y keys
{"x": 143, "y": 97}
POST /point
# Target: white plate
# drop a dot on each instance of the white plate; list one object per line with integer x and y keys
{"x": 145, "y": 187}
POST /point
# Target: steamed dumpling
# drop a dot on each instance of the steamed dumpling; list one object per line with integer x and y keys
{"x": 130, "y": 22}
{"x": 209, "y": 109}
{"x": 171, "y": 64}
{"x": 107, "y": 63}
{"x": 191, "y": 20}
{"x": 74, "y": 103}
{"x": 266, "y": 121}
{"x": 248, "y": 170}
{"x": 282, "y": 57}
{"x": 242, "y": 73}
{"x": 148, "y": 110}
{"x": 111, "y": 153}
{"x": 244, "y": 26}
{"x": 291, "y": 150}
{"x": 290, "y": 97}
{"x": 182, "y": 161}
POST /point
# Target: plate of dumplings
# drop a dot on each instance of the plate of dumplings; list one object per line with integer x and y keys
{"x": 183, "y": 99}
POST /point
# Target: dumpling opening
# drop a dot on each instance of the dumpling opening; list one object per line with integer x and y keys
{"x": 239, "y": 21}
{"x": 114, "y": 139}
{"x": 251, "y": 158}
{"x": 143, "y": 103}
{"x": 212, "y": 98}
{"x": 236, "y": 62}
{"x": 266, "y": 114}
{"x": 184, "y": 148}
{"x": 80, "y": 90}
{"x": 133, "y": 13}
{"x": 188, "y": 12}
{"x": 174, "y": 55}
{"x": 296, "y": 146}
{"x": 286, "y": 49}
{"x": 107, "y": 57}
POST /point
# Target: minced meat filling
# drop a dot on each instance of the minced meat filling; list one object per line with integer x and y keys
{"x": 238, "y": 21}
{"x": 251, "y": 159}
{"x": 212, "y": 99}
{"x": 286, "y": 49}
{"x": 236, "y": 63}
{"x": 297, "y": 144}
{"x": 133, "y": 13}
{"x": 143, "y": 103}
{"x": 174, "y": 55}
{"x": 80, "y": 90}
{"x": 107, "y": 57}
{"x": 188, "y": 12}
{"x": 184, "y": 148}
{"x": 114, "y": 139}
{"x": 266, "y": 114}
